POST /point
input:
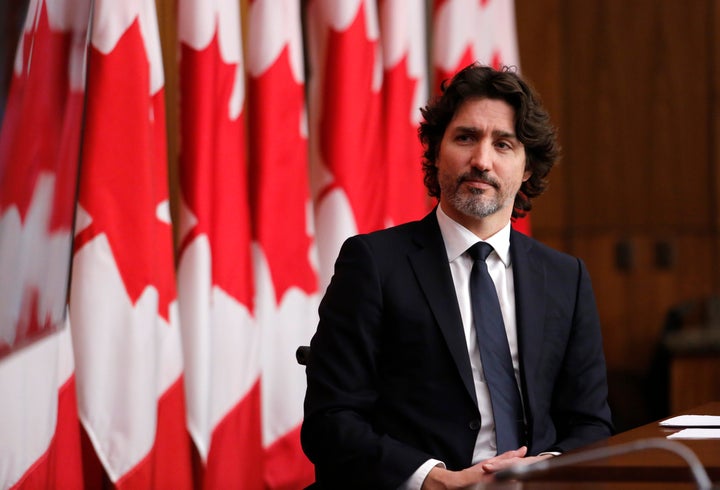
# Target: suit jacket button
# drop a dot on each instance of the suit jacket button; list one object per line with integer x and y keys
{"x": 474, "y": 425}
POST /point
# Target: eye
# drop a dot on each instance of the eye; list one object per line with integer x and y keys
{"x": 464, "y": 138}
{"x": 503, "y": 145}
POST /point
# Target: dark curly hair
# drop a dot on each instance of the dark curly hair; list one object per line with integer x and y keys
{"x": 532, "y": 125}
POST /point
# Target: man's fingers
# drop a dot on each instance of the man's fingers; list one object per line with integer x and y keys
{"x": 504, "y": 460}
{"x": 515, "y": 453}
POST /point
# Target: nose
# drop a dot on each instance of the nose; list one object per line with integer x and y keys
{"x": 481, "y": 156}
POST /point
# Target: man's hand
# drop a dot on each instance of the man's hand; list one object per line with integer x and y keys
{"x": 507, "y": 460}
{"x": 443, "y": 479}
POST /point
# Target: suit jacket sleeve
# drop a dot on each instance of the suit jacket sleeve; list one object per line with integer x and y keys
{"x": 579, "y": 396}
{"x": 338, "y": 433}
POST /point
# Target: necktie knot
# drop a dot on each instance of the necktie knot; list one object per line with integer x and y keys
{"x": 480, "y": 251}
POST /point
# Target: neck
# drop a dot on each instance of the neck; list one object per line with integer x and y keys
{"x": 483, "y": 228}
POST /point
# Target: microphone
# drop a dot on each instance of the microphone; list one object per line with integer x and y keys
{"x": 696, "y": 468}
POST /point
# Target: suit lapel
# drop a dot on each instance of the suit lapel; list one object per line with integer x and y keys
{"x": 432, "y": 270}
{"x": 529, "y": 279}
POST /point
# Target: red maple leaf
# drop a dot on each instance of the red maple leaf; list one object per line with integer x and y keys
{"x": 442, "y": 75}
{"x": 213, "y": 167}
{"x": 279, "y": 176}
{"x": 406, "y": 195}
{"x": 350, "y": 123}
{"x": 32, "y": 129}
{"x": 124, "y": 173}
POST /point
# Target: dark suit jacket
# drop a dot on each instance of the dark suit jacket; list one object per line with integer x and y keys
{"x": 389, "y": 379}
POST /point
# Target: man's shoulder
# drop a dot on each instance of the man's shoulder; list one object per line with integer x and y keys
{"x": 538, "y": 249}
{"x": 404, "y": 232}
{"x": 390, "y": 245}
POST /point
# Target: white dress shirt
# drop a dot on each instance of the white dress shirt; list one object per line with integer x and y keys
{"x": 457, "y": 240}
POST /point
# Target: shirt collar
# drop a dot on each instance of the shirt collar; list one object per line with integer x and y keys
{"x": 458, "y": 239}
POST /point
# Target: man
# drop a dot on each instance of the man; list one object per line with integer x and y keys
{"x": 397, "y": 395}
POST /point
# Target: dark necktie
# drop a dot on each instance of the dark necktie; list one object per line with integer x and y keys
{"x": 495, "y": 353}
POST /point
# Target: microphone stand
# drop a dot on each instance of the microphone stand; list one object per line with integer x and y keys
{"x": 699, "y": 474}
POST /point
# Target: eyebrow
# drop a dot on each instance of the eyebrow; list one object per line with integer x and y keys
{"x": 497, "y": 133}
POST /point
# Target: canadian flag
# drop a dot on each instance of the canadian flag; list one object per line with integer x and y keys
{"x": 405, "y": 90}
{"x": 40, "y": 447}
{"x": 283, "y": 253}
{"x": 466, "y": 31}
{"x": 123, "y": 307}
{"x": 39, "y": 143}
{"x": 347, "y": 170}
{"x": 221, "y": 340}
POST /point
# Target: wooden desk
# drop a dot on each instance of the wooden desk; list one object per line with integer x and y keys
{"x": 653, "y": 465}
{"x": 584, "y": 485}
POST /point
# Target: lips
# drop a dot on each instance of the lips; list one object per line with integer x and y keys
{"x": 475, "y": 179}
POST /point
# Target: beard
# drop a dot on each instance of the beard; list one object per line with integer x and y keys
{"x": 472, "y": 202}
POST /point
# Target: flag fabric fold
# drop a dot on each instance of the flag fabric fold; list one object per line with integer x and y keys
{"x": 39, "y": 427}
{"x": 221, "y": 340}
{"x": 123, "y": 305}
{"x": 405, "y": 90}
{"x": 284, "y": 255}
{"x": 347, "y": 174}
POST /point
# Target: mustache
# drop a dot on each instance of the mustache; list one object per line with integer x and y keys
{"x": 479, "y": 176}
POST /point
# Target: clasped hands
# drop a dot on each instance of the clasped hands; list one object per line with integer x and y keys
{"x": 443, "y": 479}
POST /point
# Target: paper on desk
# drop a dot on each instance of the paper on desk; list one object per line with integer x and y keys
{"x": 696, "y": 433}
{"x": 692, "y": 421}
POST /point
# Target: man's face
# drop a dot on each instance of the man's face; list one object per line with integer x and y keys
{"x": 481, "y": 163}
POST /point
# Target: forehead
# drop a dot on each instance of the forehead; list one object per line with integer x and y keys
{"x": 484, "y": 112}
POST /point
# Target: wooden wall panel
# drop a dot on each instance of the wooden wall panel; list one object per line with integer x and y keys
{"x": 638, "y": 152}
{"x": 704, "y": 371}
{"x": 636, "y": 86}
{"x": 678, "y": 169}
{"x": 539, "y": 41}
{"x": 633, "y": 304}
{"x": 714, "y": 43}
{"x": 636, "y": 113}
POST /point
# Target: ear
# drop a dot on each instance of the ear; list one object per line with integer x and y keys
{"x": 527, "y": 175}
